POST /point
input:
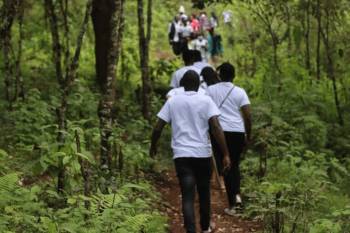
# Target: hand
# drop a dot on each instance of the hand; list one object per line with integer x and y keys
{"x": 226, "y": 163}
{"x": 152, "y": 152}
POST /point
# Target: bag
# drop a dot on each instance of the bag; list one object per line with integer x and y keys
{"x": 226, "y": 97}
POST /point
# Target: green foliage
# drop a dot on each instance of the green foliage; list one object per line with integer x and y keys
{"x": 304, "y": 185}
{"x": 124, "y": 211}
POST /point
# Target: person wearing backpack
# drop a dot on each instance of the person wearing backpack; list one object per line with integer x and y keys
{"x": 235, "y": 120}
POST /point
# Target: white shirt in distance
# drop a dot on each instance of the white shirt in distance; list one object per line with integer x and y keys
{"x": 178, "y": 75}
{"x": 181, "y": 90}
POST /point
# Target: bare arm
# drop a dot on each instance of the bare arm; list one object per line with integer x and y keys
{"x": 220, "y": 139}
{"x": 157, "y": 131}
{"x": 246, "y": 114}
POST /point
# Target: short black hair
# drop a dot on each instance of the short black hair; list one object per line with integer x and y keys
{"x": 209, "y": 75}
{"x": 226, "y": 72}
{"x": 196, "y": 55}
{"x": 187, "y": 57}
{"x": 190, "y": 80}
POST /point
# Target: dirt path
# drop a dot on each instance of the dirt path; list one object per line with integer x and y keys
{"x": 167, "y": 185}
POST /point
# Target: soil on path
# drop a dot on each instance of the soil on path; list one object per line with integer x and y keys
{"x": 167, "y": 185}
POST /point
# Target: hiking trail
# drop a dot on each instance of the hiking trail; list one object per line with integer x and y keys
{"x": 167, "y": 185}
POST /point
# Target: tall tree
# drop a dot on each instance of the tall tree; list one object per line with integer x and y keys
{"x": 108, "y": 26}
{"x": 19, "y": 86}
{"x": 331, "y": 15}
{"x": 274, "y": 16}
{"x": 102, "y": 11}
{"x": 66, "y": 80}
{"x": 144, "y": 42}
{"x": 305, "y": 7}
{"x": 318, "y": 45}
{"x": 7, "y": 16}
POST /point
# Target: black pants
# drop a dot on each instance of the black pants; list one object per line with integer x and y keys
{"x": 192, "y": 173}
{"x": 235, "y": 143}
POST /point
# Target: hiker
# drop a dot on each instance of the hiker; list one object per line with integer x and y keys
{"x": 214, "y": 45}
{"x": 214, "y": 22}
{"x": 235, "y": 120}
{"x": 174, "y": 35}
{"x": 201, "y": 44}
{"x": 186, "y": 30}
{"x": 181, "y": 90}
{"x": 204, "y": 21}
{"x": 188, "y": 59}
{"x": 197, "y": 61}
{"x": 190, "y": 115}
{"x": 210, "y": 77}
{"x": 195, "y": 24}
{"x": 182, "y": 14}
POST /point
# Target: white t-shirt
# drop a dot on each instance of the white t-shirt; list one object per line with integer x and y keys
{"x": 201, "y": 64}
{"x": 201, "y": 46}
{"x": 230, "y": 119}
{"x": 178, "y": 30}
{"x": 227, "y": 16}
{"x": 189, "y": 115}
{"x": 181, "y": 90}
{"x": 178, "y": 74}
{"x": 186, "y": 30}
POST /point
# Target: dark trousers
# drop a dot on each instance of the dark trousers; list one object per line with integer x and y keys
{"x": 235, "y": 143}
{"x": 194, "y": 173}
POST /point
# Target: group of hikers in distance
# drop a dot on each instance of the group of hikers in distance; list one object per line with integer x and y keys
{"x": 208, "y": 115}
{"x": 197, "y": 32}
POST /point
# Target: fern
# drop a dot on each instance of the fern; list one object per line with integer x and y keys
{"x": 9, "y": 182}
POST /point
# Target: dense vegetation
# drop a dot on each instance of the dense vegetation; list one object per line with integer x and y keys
{"x": 291, "y": 57}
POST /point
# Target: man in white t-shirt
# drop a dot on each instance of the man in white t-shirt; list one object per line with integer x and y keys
{"x": 190, "y": 115}
{"x": 188, "y": 59}
{"x": 198, "y": 62}
{"x": 201, "y": 44}
{"x": 235, "y": 120}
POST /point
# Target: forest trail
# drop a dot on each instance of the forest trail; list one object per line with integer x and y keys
{"x": 167, "y": 185}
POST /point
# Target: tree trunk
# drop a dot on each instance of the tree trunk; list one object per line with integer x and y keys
{"x": 307, "y": 38}
{"x": 275, "y": 42}
{"x": 144, "y": 55}
{"x": 318, "y": 46}
{"x": 56, "y": 45}
{"x": 19, "y": 87}
{"x": 110, "y": 61}
{"x": 252, "y": 39}
{"x": 330, "y": 68}
{"x": 85, "y": 171}
{"x": 65, "y": 82}
{"x": 102, "y": 11}
{"x": 64, "y": 11}
{"x": 9, "y": 12}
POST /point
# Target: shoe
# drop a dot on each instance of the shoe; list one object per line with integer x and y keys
{"x": 211, "y": 228}
{"x": 238, "y": 199}
{"x": 230, "y": 211}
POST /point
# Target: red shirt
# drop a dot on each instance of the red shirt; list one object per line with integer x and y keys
{"x": 195, "y": 25}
